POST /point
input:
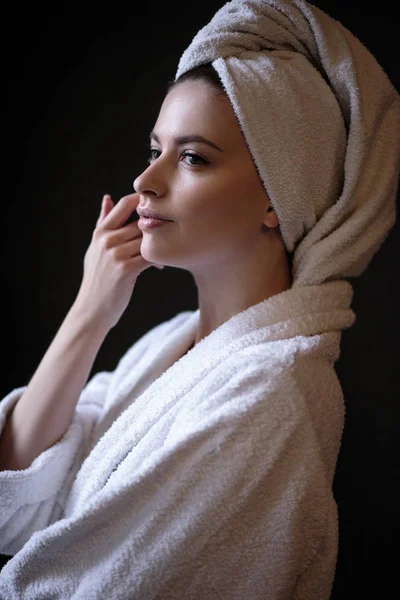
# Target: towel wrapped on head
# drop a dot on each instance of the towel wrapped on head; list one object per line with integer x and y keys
{"x": 322, "y": 122}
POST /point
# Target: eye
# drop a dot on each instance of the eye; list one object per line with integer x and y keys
{"x": 152, "y": 157}
{"x": 192, "y": 156}
{"x": 196, "y": 157}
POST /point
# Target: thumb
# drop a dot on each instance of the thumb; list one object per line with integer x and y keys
{"x": 106, "y": 207}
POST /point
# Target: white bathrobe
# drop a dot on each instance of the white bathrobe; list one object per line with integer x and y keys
{"x": 202, "y": 476}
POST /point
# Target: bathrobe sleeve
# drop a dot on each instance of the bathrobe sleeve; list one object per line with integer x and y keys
{"x": 33, "y": 498}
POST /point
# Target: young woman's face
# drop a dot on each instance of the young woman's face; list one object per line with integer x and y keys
{"x": 212, "y": 192}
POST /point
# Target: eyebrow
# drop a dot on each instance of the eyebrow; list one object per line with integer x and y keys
{"x": 185, "y": 139}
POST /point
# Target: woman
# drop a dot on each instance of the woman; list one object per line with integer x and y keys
{"x": 202, "y": 467}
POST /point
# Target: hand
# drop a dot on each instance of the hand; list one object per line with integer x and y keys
{"x": 112, "y": 262}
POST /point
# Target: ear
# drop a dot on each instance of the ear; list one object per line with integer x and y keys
{"x": 270, "y": 218}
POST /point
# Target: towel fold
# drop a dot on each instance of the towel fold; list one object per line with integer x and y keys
{"x": 322, "y": 122}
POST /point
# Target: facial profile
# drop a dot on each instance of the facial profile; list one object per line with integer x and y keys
{"x": 208, "y": 187}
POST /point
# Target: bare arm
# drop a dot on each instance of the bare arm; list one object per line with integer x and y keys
{"x": 45, "y": 410}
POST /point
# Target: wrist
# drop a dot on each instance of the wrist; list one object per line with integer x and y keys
{"x": 83, "y": 318}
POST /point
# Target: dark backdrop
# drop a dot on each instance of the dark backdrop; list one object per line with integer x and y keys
{"x": 84, "y": 86}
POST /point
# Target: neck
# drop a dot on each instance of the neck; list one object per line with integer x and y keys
{"x": 231, "y": 289}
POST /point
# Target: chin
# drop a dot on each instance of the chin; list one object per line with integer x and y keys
{"x": 149, "y": 255}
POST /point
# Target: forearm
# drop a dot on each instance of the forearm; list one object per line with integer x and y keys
{"x": 45, "y": 410}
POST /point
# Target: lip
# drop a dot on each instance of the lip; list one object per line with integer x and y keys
{"x": 150, "y": 214}
{"x": 146, "y": 223}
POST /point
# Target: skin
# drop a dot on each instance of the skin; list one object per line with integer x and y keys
{"x": 223, "y": 232}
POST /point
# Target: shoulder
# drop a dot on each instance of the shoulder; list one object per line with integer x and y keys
{"x": 281, "y": 381}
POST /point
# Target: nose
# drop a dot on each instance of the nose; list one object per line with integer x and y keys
{"x": 149, "y": 182}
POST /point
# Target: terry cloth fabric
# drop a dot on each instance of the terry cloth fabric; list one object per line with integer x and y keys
{"x": 202, "y": 477}
{"x": 322, "y": 122}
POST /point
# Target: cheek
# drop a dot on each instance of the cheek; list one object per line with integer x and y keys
{"x": 226, "y": 199}
{"x": 218, "y": 197}
{"x": 202, "y": 204}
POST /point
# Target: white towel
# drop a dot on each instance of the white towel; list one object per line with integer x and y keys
{"x": 322, "y": 122}
{"x": 200, "y": 478}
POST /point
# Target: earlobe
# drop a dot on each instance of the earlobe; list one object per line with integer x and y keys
{"x": 271, "y": 219}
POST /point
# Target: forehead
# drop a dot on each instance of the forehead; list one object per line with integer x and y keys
{"x": 194, "y": 108}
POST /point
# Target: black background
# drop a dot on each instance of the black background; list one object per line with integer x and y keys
{"x": 84, "y": 84}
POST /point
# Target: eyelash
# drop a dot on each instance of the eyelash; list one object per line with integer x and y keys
{"x": 186, "y": 153}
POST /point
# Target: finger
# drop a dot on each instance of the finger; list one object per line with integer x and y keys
{"x": 124, "y": 234}
{"x": 130, "y": 249}
{"x": 121, "y": 212}
{"x": 106, "y": 207}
